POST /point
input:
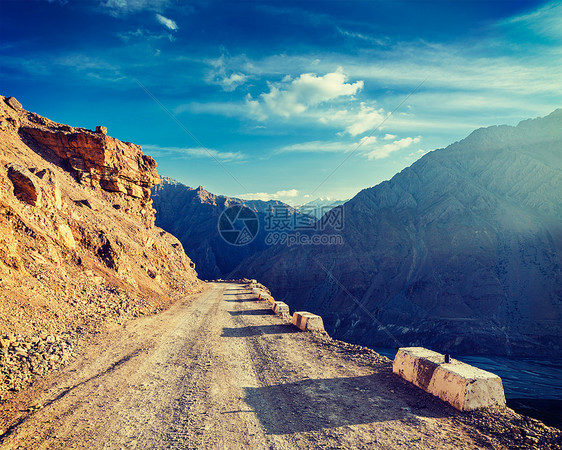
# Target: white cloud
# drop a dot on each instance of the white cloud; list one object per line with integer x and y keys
{"x": 119, "y": 7}
{"x": 168, "y": 23}
{"x": 366, "y": 119}
{"x": 193, "y": 152}
{"x": 229, "y": 80}
{"x": 279, "y": 195}
{"x": 295, "y": 96}
{"x": 389, "y": 137}
{"x": 385, "y": 150}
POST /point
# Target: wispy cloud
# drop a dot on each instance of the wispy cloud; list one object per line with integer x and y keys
{"x": 378, "y": 40}
{"x": 193, "y": 152}
{"x": 168, "y": 23}
{"x": 317, "y": 147}
{"x": 219, "y": 74}
{"x": 368, "y": 146}
{"x": 384, "y": 151}
{"x": 143, "y": 34}
{"x": 545, "y": 22}
{"x": 279, "y": 195}
{"x": 122, "y": 7}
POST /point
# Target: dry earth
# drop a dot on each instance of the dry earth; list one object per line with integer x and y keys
{"x": 219, "y": 370}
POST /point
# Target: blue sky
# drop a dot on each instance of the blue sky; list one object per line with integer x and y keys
{"x": 268, "y": 99}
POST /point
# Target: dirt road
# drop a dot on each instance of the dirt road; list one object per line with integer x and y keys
{"x": 219, "y": 370}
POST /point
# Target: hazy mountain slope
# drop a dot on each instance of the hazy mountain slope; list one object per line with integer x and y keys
{"x": 320, "y": 206}
{"x": 192, "y": 215}
{"x": 460, "y": 252}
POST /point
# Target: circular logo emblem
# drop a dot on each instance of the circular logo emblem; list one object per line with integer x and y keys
{"x": 238, "y": 225}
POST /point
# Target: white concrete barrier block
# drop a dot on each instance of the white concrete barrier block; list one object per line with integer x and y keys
{"x": 307, "y": 321}
{"x": 281, "y": 309}
{"x": 463, "y": 386}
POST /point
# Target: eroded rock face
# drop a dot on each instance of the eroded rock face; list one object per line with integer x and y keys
{"x": 94, "y": 158}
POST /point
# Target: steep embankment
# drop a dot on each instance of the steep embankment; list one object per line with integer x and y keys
{"x": 192, "y": 215}
{"x": 460, "y": 252}
{"x": 78, "y": 248}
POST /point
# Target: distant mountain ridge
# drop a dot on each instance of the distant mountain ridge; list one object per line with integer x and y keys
{"x": 192, "y": 215}
{"x": 460, "y": 252}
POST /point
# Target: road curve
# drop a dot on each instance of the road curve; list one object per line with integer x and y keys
{"x": 219, "y": 370}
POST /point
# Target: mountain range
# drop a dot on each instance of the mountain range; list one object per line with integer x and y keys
{"x": 459, "y": 252}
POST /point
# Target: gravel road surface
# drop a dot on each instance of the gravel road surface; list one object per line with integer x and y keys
{"x": 219, "y": 370}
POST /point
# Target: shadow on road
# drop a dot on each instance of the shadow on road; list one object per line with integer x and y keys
{"x": 315, "y": 404}
{"x": 258, "y": 330}
{"x": 251, "y": 299}
{"x": 252, "y": 312}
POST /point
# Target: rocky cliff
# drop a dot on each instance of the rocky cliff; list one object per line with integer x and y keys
{"x": 192, "y": 215}
{"x": 78, "y": 248}
{"x": 461, "y": 252}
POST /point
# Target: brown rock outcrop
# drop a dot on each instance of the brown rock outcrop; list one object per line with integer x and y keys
{"x": 85, "y": 255}
{"x": 26, "y": 188}
{"x": 94, "y": 158}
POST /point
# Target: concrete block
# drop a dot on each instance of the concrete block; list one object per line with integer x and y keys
{"x": 307, "y": 321}
{"x": 281, "y": 309}
{"x": 463, "y": 386}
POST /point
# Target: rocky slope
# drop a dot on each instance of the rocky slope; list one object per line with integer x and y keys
{"x": 461, "y": 252}
{"x": 192, "y": 215}
{"x": 78, "y": 246}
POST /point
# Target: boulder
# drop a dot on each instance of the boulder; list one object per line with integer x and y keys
{"x": 50, "y": 179}
{"x": 66, "y": 236}
{"x": 26, "y": 188}
{"x": 102, "y": 130}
